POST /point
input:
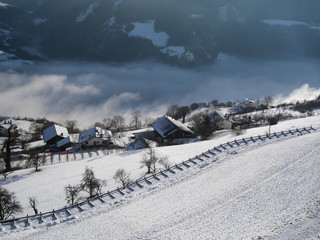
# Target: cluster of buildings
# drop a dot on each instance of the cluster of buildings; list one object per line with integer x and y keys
{"x": 165, "y": 130}
{"x": 58, "y": 137}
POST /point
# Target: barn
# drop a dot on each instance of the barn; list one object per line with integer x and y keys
{"x": 167, "y": 129}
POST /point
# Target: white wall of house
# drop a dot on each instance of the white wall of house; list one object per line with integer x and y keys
{"x": 95, "y": 142}
{"x": 224, "y": 124}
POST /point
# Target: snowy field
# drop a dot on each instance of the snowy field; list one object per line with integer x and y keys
{"x": 266, "y": 189}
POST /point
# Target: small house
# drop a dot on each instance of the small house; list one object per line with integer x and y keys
{"x": 54, "y": 134}
{"x": 95, "y": 137}
{"x": 220, "y": 121}
{"x": 167, "y": 128}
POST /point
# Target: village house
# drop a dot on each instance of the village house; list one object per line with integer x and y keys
{"x": 220, "y": 121}
{"x": 54, "y": 134}
{"x": 95, "y": 137}
{"x": 70, "y": 141}
{"x": 167, "y": 128}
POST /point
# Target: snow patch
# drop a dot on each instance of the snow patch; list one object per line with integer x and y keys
{"x": 315, "y": 27}
{"x": 116, "y": 4}
{"x": 38, "y": 21}
{"x": 111, "y": 21}
{"x": 178, "y": 51}
{"x": 146, "y": 30}
{"x": 224, "y": 57}
{"x": 289, "y": 23}
{"x": 223, "y": 13}
{"x": 4, "y": 5}
{"x": 6, "y": 56}
{"x": 281, "y": 22}
{"x": 173, "y": 50}
{"x": 196, "y": 15}
{"x": 82, "y": 16}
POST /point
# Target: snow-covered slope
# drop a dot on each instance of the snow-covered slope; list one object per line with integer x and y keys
{"x": 245, "y": 193}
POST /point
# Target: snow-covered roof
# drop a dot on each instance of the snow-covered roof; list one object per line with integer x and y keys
{"x": 166, "y": 126}
{"x": 95, "y": 132}
{"x": 215, "y": 116}
{"x": 53, "y": 131}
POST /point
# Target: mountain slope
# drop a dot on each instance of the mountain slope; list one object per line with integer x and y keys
{"x": 196, "y": 31}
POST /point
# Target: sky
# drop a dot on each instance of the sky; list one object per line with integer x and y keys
{"x": 89, "y": 92}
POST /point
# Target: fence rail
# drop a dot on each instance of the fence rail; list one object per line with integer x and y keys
{"x": 69, "y": 211}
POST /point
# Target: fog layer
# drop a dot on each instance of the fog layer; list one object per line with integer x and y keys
{"x": 89, "y": 92}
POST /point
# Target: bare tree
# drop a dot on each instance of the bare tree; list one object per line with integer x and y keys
{"x": 36, "y": 131}
{"x": 118, "y": 123}
{"x": 194, "y": 106}
{"x": 91, "y": 184}
{"x": 172, "y": 110}
{"x": 107, "y": 123}
{"x": 8, "y": 204}
{"x": 71, "y": 125}
{"x": 182, "y": 112}
{"x": 136, "y": 119}
{"x": 214, "y": 102}
{"x": 122, "y": 176}
{"x": 35, "y": 160}
{"x": 268, "y": 100}
{"x": 164, "y": 161}
{"x": 149, "y": 160}
{"x": 148, "y": 121}
{"x": 33, "y": 204}
{"x": 72, "y": 193}
{"x": 37, "y": 128}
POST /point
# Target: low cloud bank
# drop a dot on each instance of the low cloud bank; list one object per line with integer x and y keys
{"x": 89, "y": 92}
{"x": 305, "y": 92}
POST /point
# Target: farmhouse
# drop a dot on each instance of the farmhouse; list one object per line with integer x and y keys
{"x": 95, "y": 137}
{"x": 54, "y": 134}
{"x": 220, "y": 121}
{"x": 167, "y": 128}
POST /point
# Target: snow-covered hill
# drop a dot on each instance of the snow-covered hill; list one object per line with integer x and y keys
{"x": 245, "y": 193}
